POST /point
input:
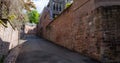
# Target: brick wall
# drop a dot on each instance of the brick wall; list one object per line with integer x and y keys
{"x": 87, "y": 27}
{"x": 111, "y": 36}
{"x": 45, "y": 19}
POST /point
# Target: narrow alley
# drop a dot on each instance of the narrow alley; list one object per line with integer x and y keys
{"x": 60, "y": 31}
{"x": 39, "y": 50}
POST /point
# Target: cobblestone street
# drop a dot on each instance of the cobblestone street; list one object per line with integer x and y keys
{"x": 38, "y": 50}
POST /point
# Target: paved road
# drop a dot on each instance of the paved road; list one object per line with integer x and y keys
{"x": 38, "y": 50}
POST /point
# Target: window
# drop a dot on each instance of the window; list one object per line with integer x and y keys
{"x": 54, "y": 7}
{"x": 57, "y": 8}
{"x": 60, "y": 8}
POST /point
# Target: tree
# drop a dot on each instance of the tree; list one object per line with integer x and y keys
{"x": 29, "y": 5}
{"x": 33, "y": 16}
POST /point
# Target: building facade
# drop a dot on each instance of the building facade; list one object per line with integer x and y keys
{"x": 57, "y": 6}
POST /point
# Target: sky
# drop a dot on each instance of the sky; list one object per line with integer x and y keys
{"x": 40, "y": 4}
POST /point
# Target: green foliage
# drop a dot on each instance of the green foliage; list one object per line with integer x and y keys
{"x": 33, "y": 16}
{"x": 67, "y": 5}
{"x": 11, "y": 17}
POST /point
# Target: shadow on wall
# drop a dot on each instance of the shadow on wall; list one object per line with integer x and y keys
{"x": 4, "y": 48}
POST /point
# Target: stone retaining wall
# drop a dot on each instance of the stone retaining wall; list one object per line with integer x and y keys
{"x": 8, "y": 38}
{"x": 10, "y": 22}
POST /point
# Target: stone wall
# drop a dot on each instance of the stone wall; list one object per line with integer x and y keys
{"x": 8, "y": 39}
{"x": 10, "y": 18}
{"x": 90, "y": 27}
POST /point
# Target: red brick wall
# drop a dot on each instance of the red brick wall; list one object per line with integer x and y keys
{"x": 44, "y": 21}
{"x": 81, "y": 28}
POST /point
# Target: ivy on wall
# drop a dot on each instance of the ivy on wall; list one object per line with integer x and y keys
{"x": 68, "y": 5}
